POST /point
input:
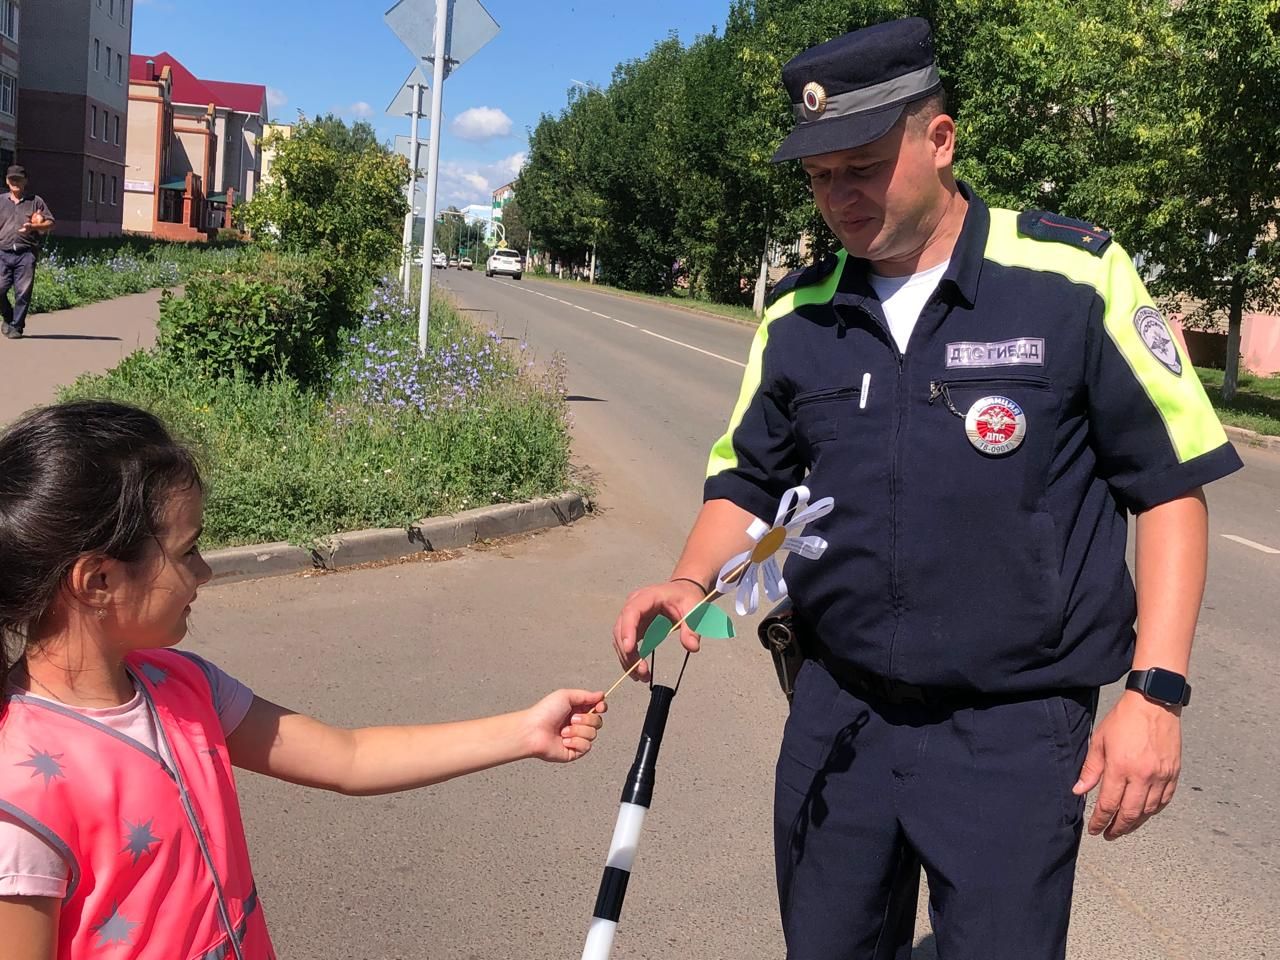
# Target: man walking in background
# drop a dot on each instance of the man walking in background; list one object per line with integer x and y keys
{"x": 24, "y": 220}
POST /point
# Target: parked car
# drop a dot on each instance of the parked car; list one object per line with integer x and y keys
{"x": 453, "y": 262}
{"x": 465, "y": 263}
{"x": 438, "y": 259}
{"x": 506, "y": 262}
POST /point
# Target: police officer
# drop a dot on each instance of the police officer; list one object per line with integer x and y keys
{"x": 988, "y": 395}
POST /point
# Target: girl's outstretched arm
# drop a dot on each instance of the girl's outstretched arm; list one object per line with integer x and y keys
{"x": 30, "y": 926}
{"x": 289, "y": 746}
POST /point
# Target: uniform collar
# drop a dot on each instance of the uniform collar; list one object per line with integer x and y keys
{"x": 961, "y": 278}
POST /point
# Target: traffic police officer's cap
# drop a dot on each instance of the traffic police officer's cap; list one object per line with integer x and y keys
{"x": 851, "y": 90}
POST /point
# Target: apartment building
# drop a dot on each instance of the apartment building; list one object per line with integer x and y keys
{"x": 72, "y": 102}
{"x": 8, "y": 82}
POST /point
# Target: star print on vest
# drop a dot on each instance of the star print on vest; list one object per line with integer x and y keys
{"x": 995, "y": 425}
{"x": 139, "y": 839}
{"x": 114, "y": 929}
{"x": 156, "y": 675}
{"x": 44, "y": 764}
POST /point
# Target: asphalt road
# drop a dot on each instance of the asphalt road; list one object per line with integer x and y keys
{"x": 505, "y": 864}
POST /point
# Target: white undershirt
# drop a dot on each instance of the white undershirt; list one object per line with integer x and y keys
{"x": 904, "y": 297}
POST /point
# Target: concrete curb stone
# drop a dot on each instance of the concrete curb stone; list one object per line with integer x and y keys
{"x": 366, "y": 546}
{"x": 1251, "y": 438}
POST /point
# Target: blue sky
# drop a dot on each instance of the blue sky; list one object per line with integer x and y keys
{"x": 324, "y": 55}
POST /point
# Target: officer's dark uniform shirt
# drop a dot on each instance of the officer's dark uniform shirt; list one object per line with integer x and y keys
{"x": 995, "y": 563}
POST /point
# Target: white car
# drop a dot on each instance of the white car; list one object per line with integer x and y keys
{"x": 504, "y": 261}
{"x": 438, "y": 259}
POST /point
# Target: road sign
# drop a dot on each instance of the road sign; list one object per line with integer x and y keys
{"x": 403, "y": 102}
{"x": 470, "y": 27}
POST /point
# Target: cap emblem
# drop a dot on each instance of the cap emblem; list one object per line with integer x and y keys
{"x": 814, "y": 99}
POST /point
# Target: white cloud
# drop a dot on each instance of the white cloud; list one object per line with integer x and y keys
{"x": 360, "y": 110}
{"x": 481, "y": 123}
{"x": 276, "y": 98}
{"x": 465, "y": 184}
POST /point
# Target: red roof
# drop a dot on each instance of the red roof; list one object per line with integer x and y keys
{"x": 188, "y": 88}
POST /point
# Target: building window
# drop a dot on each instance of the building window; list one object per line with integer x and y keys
{"x": 93, "y": 123}
{"x": 114, "y": 185}
{"x": 102, "y": 187}
{"x": 119, "y": 68}
{"x": 111, "y": 8}
{"x": 97, "y": 54}
{"x": 117, "y": 137}
{"x": 91, "y": 183}
{"x": 9, "y": 18}
{"x": 108, "y": 63}
{"x": 8, "y": 94}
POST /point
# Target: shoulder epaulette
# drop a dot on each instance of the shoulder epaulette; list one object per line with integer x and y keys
{"x": 803, "y": 277}
{"x": 1041, "y": 225}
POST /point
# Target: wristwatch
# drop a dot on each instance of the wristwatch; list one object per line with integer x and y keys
{"x": 1162, "y": 686}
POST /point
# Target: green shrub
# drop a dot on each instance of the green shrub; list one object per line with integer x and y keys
{"x": 282, "y": 318}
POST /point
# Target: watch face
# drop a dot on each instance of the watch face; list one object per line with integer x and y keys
{"x": 1166, "y": 686}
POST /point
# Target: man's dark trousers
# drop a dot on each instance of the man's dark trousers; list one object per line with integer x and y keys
{"x": 979, "y": 795}
{"x": 17, "y": 270}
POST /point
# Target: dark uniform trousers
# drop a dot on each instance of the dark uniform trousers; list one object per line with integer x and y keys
{"x": 977, "y": 792}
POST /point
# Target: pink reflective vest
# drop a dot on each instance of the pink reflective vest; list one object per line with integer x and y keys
{"x": 159, "y": 866}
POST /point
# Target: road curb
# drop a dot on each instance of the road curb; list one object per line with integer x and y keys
{"x": 657, "y": 303}
{"x": 257, "y": 561}
{"x": 1251, "y": 438}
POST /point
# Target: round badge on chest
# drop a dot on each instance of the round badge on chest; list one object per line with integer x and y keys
{"x": 995, "y": 425}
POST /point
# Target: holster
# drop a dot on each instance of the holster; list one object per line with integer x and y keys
{"x": 778, "y": 635}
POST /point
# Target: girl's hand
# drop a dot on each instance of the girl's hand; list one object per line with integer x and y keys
{"x": 560, "y": 727}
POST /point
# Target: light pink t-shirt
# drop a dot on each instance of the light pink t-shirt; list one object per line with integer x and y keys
{"x": 29, "y": 867}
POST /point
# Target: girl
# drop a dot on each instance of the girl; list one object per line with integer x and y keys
{"x": 120, "y": 830}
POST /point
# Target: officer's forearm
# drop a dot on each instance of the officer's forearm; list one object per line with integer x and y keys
{"x": 719, "y": 533}
{"x": 1172, "y": 556}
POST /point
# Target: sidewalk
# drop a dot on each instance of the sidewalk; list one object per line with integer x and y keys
{"x": 60, "y": 346}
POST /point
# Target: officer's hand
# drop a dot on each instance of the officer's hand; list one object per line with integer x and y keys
{"x": 1136, "y": 753}
{"x": 672, "y": 600}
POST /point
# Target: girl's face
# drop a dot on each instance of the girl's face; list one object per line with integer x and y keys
{"x": 153, "y": 600}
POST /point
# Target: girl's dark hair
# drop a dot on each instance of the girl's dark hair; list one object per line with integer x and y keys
{"x": 87, "y": 477}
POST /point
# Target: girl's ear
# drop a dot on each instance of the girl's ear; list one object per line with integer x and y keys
{"x": 91, "y": 581}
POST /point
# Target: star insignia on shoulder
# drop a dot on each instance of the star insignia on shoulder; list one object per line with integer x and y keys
{"x": 44, "y": 764}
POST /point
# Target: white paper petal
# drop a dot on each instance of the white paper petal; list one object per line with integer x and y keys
{"x": 812, "y": 512}
{"x": 775, "y": 588}
{"x": 811, "y": 548}
{"x": 796, "y": 498}
{"x": 758, "y": 529}
{"x": 748, "y": 596}
{"x": 723, "y": 585}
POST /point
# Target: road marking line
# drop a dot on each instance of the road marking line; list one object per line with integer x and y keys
{"x": 576, "y": 307}
{"x": 1250, "y": 543}
{"x": 603, "y": 316}
{"x": 623, "y": 322}
{"x": 689, "y": 346}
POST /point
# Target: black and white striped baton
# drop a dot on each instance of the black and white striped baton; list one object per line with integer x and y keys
{"x": 636, "y": 797}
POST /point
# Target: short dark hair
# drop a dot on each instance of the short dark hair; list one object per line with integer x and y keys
{"x": 89, "y": 477}
{"x": 920, "y": 113}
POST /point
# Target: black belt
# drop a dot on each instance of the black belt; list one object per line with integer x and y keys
{"x": 874, "y": 687}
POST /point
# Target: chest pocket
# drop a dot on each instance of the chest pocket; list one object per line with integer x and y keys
{"x": 822, "y": 416}
{"x": 999, "y": 432}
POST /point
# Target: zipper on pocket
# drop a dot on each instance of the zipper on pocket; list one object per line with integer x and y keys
{"x": 825, "y": 396}
{"x": 941, "y": 389}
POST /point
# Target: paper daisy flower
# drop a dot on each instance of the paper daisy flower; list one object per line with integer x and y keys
{"x": 741, "y": 575}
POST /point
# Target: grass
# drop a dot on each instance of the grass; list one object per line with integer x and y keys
{"x": 729, "y": 310}
{"x": 1256, "y": 405}
{"x": 389, "y": 439}
{"x": 72, "y": 273}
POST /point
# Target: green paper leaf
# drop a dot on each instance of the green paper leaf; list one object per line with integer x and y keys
{"x": 706, "y": 620}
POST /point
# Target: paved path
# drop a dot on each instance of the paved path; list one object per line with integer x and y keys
{"x": 60, "y": 346}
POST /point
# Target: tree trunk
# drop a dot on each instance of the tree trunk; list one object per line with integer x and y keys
{"x": 762, "y": 279}
{"x": 593, "y": 263}
{"x": 1235, "y": 319}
